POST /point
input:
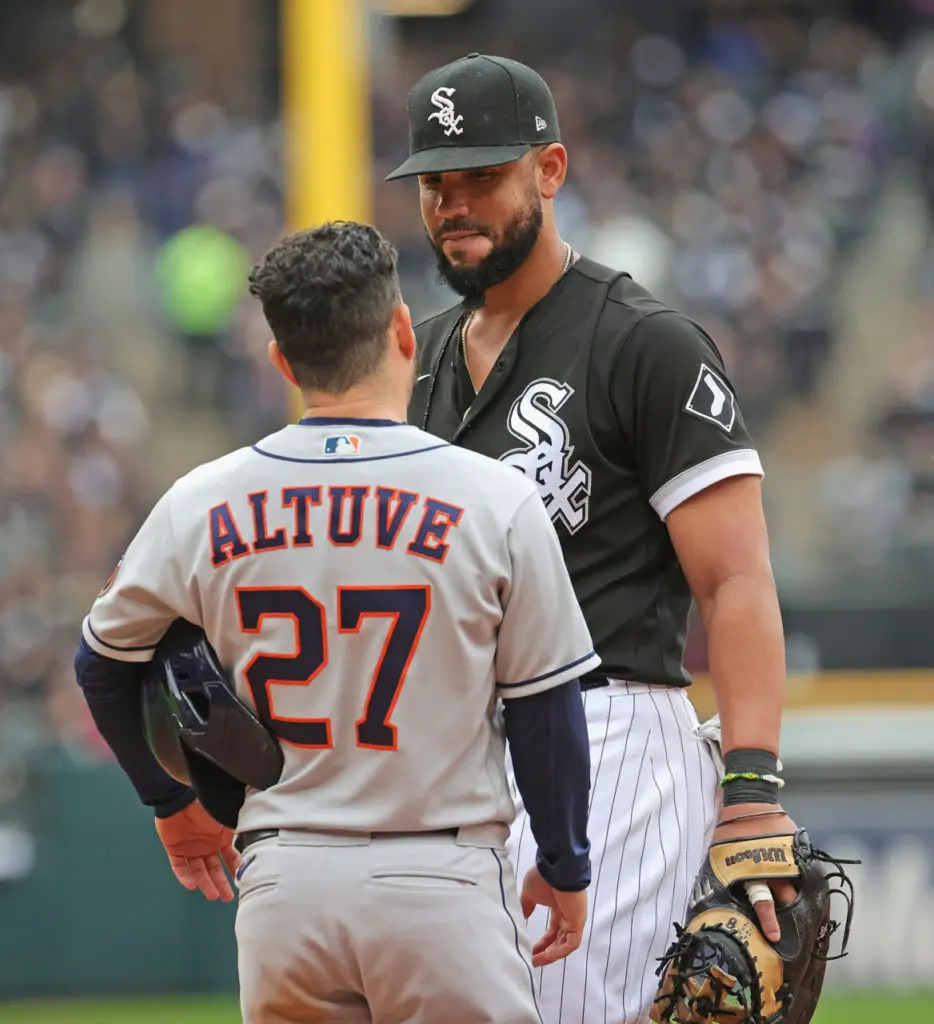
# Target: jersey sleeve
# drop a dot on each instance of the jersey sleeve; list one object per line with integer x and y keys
{"x": 543, "y": 638}
{"x": 144, "y": 595}
{"x": 678, "y": 407}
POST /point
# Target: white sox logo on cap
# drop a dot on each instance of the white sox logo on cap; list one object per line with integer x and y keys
{"x": 445, "y": 114}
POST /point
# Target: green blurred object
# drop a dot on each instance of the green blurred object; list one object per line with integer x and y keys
{"x": 128, "y": 1011}
{"x": 868, "y": 1008}
{"x": 101, "y": 911}
{"x": 201, "y": 272}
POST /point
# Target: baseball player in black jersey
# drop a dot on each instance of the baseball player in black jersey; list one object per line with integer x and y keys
{"x": 622, "y": 412}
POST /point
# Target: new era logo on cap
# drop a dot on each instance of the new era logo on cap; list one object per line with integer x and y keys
{"x": 540, "y": 123}
{"x": 342, "y": 444}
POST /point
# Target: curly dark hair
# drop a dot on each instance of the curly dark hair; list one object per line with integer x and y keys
{"x": 328, "y": 294}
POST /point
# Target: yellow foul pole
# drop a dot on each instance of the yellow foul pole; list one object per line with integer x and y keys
{"x": 326, "y": 111}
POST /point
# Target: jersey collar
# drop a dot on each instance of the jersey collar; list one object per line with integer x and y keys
{"x": 336, "y": 421}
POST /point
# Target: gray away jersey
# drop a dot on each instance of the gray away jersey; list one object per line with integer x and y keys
{"x": 372, "y": 592}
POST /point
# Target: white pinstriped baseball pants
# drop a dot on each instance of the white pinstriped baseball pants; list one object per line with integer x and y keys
{"x": 653, "y": 805}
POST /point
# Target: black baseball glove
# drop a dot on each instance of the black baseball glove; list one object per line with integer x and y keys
{"x": 721, "y": 969}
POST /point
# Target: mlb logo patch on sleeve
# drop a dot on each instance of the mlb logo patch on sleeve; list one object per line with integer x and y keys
{"x": 342, "y": 444}
{"x": 712, "y": 400}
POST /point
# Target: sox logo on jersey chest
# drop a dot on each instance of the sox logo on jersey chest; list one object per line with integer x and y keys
{"x": 546, "y": 454}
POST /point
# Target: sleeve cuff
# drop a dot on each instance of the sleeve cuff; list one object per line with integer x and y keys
{"x": 107, "y": 650}
{"x": 184, "y": 797}
{"x": 558, "y": 676}
{"x": 740, "y": 462}
{"x": 574, "y": 876}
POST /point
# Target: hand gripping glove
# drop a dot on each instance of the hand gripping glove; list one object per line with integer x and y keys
{"x": 721, "y": 969}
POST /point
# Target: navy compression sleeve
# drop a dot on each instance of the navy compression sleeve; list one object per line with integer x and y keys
{"x": 112, "y": 691}
{"x": 547, "y": 736}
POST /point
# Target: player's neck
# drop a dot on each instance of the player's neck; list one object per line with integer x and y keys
{"x": 362, "y": 403}
{"x": 512, "y": 299}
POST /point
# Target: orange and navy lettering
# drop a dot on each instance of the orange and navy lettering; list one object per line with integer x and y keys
{"x": 389, "y": 523}
{"x": 302, "y": 498}
{"x": 226, "y": 541}
{"x": 406, "y": 608}
{"x": 348, "y": 514}
{"x": 263, "y": 541}
{"x": 345, "y": 524}
{"x": 431, "y": 539}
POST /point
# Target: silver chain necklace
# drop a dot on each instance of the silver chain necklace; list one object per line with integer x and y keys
{"x": 568, "y": 260}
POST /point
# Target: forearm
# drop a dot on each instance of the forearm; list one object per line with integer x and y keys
{"x": 112, "y": 691}
{"x": 746, "y": 659}
{"x": 548, "y": 741}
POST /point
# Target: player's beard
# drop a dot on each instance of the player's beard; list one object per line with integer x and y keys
{"x": 507, "y": 256}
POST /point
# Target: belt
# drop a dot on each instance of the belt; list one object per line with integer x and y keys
{"x": 245, "y": 840}
{"x": 593, "y": 682}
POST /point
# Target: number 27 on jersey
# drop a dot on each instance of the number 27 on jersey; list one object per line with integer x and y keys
{"x": 407, "y": 609}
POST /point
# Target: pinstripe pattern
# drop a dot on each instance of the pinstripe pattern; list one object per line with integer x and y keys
{"x": 652, "y": 800}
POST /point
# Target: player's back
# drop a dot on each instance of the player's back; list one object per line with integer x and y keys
{"x": 351, "y": 577}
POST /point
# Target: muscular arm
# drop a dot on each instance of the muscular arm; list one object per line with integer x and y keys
{"x": 721, "y": 541}
{"x": 547, "y": 734}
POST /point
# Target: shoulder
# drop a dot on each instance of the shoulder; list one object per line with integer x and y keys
{"x": 431, "y": 334}
{"x": 628, "y": 308}
{"x": 491, "y": 475}
{"x": 209, "y": 476}
{"x": 483, "y": 481}
{"x": 436, "y": 327}
{"x": 666, "y": 334}
{"x": 643, "y": 327}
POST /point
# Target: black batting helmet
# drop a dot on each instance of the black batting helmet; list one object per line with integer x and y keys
{"x": 201, "y": 733}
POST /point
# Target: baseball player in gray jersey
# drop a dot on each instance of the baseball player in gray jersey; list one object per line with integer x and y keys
{"x": 381, "y": 598}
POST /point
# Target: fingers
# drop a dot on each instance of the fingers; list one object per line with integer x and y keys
{"x": 534, "y": 893}
{"x": 550, "y": 936}
{"x": 763, "y": 902}
{"x": 564, "y": 943}
{"x": 215, "y": 867}
{"x": 565, "y": 946}
{"x": 201, "y": 873}
{"x": 204, "y": 873}
{"x": 763, "y": 898}
{"x": 768, "y": 922}
{"x": 231, "y": 858}
{"x": 198, "y": 851}
{"x": 181, "y": 871}
{"x": 784, "y": 891}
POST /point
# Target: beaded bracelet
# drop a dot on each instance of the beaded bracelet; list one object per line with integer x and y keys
{"x": 752, "y": 777}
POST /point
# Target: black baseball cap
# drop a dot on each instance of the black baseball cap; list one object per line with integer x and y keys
{"x": 478, "y": 111}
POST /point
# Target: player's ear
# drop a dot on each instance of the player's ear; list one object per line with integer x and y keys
{"x": 404, "y": 332}
{"x": 552, "y": 169}
{"x": 279, "y": 362}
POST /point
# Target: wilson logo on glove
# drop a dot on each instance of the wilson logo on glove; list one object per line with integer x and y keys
{"x": 771, "y": 854}
{"x": 721, "y": 969}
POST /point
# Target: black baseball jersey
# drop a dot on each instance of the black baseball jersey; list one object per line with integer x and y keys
{"x": 620, "y": 409}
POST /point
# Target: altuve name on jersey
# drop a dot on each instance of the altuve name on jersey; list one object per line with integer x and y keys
{"x": 342, "y": 516}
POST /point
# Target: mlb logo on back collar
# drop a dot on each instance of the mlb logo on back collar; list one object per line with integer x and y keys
{"x": 342, "y": 444}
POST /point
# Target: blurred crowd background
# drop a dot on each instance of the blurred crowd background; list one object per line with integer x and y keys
{"x": 767, "y": 167}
